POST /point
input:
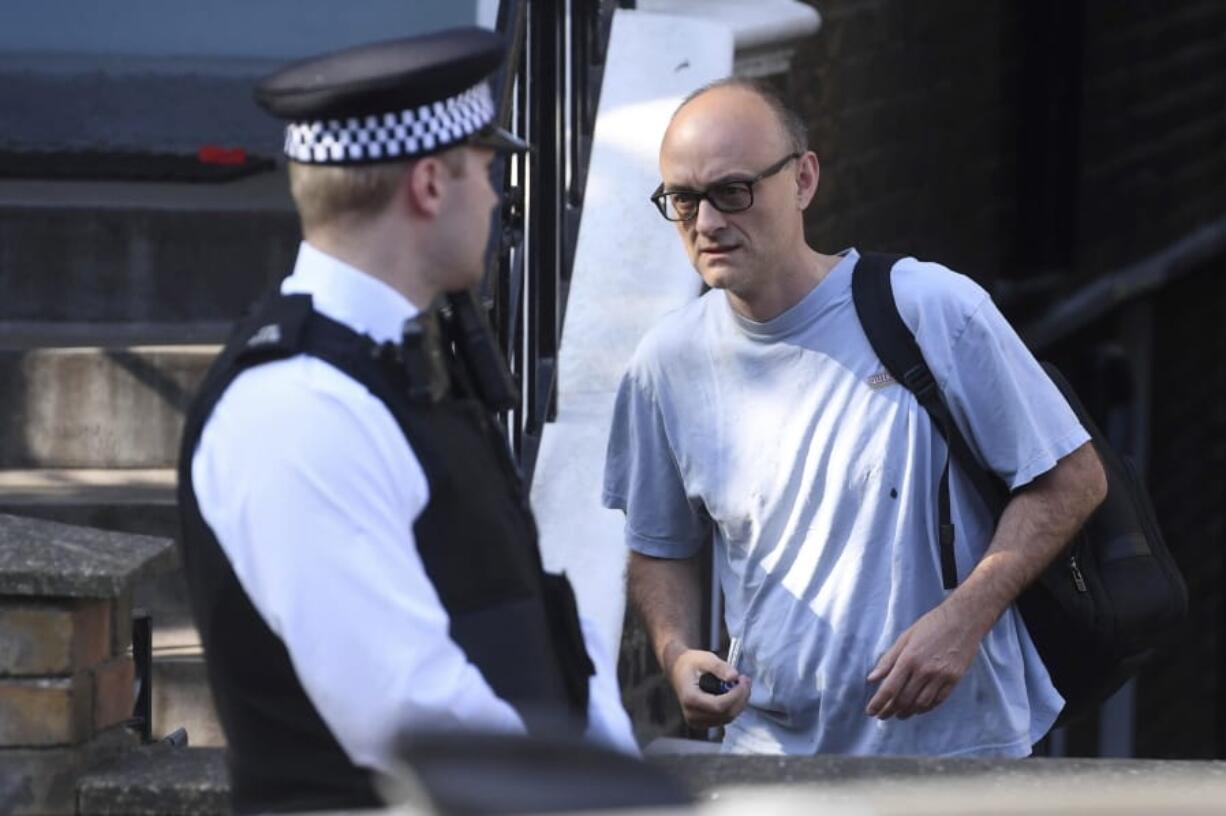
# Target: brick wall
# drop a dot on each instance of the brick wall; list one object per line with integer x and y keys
{"x": 1153, "y": 129}
{"x": 1181, "y": 709}
{"x": 65, "y": 674}
{"x": 920, "y": 115}
{"x": 912, "y": 112}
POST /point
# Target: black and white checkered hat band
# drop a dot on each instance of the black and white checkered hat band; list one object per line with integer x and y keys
{"x": 390, "y": 136}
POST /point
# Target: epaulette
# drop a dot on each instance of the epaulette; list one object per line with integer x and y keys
{"x": 275, "y": 329}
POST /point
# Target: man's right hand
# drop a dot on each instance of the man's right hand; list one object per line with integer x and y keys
{"x": 702, "y": 710}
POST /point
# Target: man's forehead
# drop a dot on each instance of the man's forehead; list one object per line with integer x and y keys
{"x": 714, "y": 160}
{"x": 723, "y": 132}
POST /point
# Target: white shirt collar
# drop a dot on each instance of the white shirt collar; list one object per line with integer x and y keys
{"x": 348, "y": 295}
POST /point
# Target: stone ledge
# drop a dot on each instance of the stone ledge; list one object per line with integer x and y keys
{"x": 754, "y": 25}
{"x": 43, "y": 781}
{"x": 765, "y": 32}
{"x": 164, "y": 780}
{"x": 843, "y": 786}
{"x": 709, "y": 773}
{"x": 43, "y": 558}
{"x": 156, "y": 780}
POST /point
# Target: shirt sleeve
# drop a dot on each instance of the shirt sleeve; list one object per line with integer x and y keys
{"x": 314, "y": 508}
{"x": 643, "y": 478}
{"x": 1012, "y": 413}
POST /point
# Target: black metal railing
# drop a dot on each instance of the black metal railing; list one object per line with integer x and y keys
{"x": 1107, "y": 336}
{"x": 548, "y": 94}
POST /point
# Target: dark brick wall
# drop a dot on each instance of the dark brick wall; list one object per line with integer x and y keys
{"x": 1181, "y": 710}
{"x": 1153, "y": 129}
{"x": 925, "y": 118}
{"x": 912, "y": 112}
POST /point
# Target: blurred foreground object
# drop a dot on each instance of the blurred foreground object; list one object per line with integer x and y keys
{"x": 500, "y": 773}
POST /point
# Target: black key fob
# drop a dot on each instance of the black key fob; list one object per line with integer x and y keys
{"x": 713, "y": 685}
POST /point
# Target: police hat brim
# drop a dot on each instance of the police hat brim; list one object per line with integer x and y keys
{"x": 499, "y": 140}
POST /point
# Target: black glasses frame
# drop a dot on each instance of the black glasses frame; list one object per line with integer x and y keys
{"x": 660, "y": 196}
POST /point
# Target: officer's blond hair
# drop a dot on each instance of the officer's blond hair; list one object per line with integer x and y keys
{"x": 325, "y": 194}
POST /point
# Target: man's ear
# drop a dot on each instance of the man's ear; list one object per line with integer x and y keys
{"x": 809, "y": 171}
{"x": 424, "y": 187}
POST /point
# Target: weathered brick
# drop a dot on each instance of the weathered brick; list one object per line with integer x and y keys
{"x": 121, "y": 624}
{"x": 92, "y": 640}
{"x": 113, "y": 692}
{"x": 45, "y": 781}
{"x": 52, "y": 638}
{"x": 35, "y": 639}
{"x": 46, "y": 711}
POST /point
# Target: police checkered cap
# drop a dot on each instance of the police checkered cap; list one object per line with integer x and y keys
{"x": 392, "y": 100}
{"x": 402, "y": 134}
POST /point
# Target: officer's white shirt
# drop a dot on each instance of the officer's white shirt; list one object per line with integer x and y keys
{"x": 312, "y": 491}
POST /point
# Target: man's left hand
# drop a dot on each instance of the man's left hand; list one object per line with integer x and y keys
{"x": 921, "y": 669}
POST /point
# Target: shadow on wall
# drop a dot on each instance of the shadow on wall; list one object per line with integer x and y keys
{"x": 14, "y": 446}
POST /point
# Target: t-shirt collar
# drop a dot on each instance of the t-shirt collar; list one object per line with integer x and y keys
{"x": 348, "y": 295}
{"x": 809, "y": 306}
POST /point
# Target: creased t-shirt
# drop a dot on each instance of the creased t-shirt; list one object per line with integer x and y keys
{"x": 817, "y": 485}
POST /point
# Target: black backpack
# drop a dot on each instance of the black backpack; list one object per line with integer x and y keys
{"x": 1107, "y": 603}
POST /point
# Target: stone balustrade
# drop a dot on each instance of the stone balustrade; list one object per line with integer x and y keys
{"x": 67, "y": 678}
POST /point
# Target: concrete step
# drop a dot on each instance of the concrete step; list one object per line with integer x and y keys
{"x": 182, "y": 698}
{"x": 112, "y": 252}
{"x": 97, "y": 406}
{"x": 130, "y": 501}
{"x": 33, "y": 334}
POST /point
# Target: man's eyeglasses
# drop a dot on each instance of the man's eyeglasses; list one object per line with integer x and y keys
{"x": 727, "y": 196}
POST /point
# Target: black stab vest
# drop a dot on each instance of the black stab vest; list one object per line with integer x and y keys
{"x": 478, "y": 543}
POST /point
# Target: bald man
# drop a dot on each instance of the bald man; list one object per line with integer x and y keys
{"x": 756, "y": 420}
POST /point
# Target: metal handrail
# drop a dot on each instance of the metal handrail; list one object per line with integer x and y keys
{"x": 1106, "y": 293}
{"x": 547, "y": 94}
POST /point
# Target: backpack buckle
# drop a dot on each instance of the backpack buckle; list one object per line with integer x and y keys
{"x": 919, "y": 381}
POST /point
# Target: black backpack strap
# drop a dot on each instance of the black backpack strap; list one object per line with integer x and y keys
{"x": 895, "y": 346}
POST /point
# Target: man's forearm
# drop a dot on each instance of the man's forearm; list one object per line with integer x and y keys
{"x": 1035, "y": 527}
{"x": 667, "y": 596}
{"x": 926, "y": 662}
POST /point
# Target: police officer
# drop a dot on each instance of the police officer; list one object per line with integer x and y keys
{"x": 359, "y": 551}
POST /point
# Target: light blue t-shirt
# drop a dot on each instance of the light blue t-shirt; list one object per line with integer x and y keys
{"x": 815, "y": 475}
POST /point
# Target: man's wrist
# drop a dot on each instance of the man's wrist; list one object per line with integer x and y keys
{"x": 979, "y": 603}
{"x": 672, "y": 650}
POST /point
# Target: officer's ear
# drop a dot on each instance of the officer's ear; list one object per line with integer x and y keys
{"x": 425, "y": 186}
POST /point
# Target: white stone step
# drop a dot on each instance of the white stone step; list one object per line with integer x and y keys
{"x": 96, "y": 406}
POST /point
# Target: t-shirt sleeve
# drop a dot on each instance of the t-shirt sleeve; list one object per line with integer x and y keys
{"x": 1011, "y": 412}
{"x": 643, "y": 478}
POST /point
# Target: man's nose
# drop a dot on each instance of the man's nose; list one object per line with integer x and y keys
{"x": 708, "y": 219}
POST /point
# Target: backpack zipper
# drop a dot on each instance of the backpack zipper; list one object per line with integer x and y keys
{"x": 1078, "y": 579}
